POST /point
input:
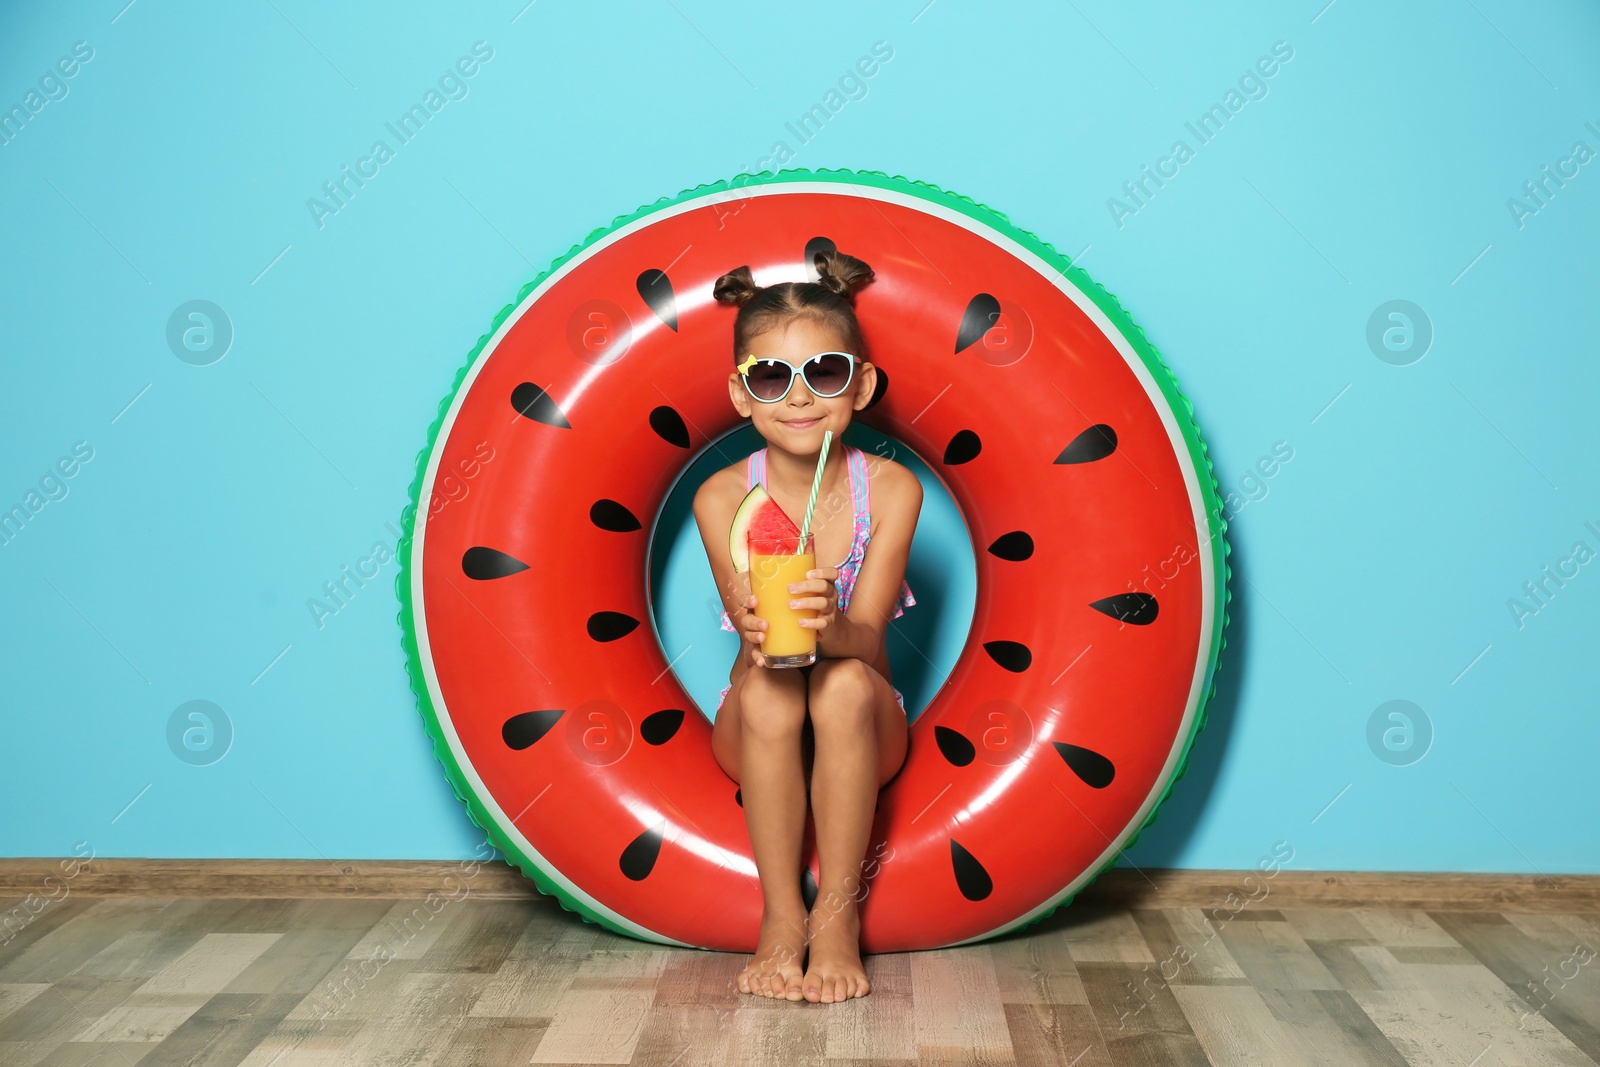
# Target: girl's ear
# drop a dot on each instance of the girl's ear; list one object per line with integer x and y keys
{"x": 866, "y": 385}
{"x": 740, "y": 397}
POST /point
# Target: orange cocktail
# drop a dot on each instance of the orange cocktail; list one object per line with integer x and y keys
{"x": 775, "y": 564}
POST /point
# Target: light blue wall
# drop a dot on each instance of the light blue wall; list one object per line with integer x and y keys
{"x": 1376, "y": 565}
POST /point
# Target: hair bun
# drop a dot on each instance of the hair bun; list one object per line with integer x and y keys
{"x": 840, "y": 273}
{"x": 737, "y": 287}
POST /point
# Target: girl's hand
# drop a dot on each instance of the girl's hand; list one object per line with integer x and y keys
{"x": 754, "y": 630}
{"x": 819, "y": 591}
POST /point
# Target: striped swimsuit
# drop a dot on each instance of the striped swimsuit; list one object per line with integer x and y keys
{"x": 861, "y": 501}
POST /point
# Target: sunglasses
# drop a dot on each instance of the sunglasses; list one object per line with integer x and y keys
{"x": 827, "y": 374}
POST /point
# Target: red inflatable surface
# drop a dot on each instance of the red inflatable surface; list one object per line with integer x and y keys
{"x": 1025, "y": 389}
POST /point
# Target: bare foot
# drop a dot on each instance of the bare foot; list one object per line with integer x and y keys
{"x": 774, "y": 971}
{"x": 834, "y": 972}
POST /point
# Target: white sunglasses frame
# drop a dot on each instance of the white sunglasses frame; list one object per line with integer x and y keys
{"x": 796, "y": 373}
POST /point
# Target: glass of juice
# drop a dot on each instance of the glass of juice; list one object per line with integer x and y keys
{"x": 775, "y": 564}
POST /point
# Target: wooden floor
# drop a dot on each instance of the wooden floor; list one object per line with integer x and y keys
{"x": 126, "y": 980}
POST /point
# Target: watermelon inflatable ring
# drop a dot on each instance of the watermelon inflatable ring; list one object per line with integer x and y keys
{"x": 1055, "y": 427}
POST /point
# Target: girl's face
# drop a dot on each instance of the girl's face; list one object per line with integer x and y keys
{"x": 795, "y": 423}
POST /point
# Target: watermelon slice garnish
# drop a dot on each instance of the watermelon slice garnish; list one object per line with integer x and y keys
{"x": 759, "y": 516}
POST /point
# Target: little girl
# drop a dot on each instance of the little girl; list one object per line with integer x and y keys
{"x": 837, "y": 724}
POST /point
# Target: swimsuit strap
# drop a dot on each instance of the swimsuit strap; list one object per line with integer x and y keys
{"x": 757, "y": 469}
{"x": 860, "y": 493}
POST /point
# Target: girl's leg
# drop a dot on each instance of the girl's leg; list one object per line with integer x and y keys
{"x": 756, "y": 739}
{"x": 861, "y": 742}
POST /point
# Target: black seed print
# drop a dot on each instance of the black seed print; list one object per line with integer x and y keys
{"x": 963, "y": 448}
{"x": 532, "y": 402}
{"x": 656, "y": 289}
{"x": 668, "y": 425}
{"x": 1012, "y": 655}
{"x": 1135, "y": 609}
{"x": 610, "y": 515}
{"x": 658, "y": 729}
{"x": 1015, "y": 546}
{"x": 880, "y": 388}
{"x": 610, "y": 625}
{"x": 639, "y": 858}
{"x": 973, "y": 881}
{"x": 481, "y": 563}
{"x": 521, "y": 731}
{"x": 954, "y": 746}
{"x": 813, "y": 246}
{"x": 983, "y": 311}
{"x": 1097, "y": 442}
{"x": 1095, "y": 770}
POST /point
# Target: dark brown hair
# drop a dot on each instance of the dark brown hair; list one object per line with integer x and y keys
{"x": 828, "y": 301}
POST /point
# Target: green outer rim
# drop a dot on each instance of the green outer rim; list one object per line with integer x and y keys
{"x": 1199, "y": 455}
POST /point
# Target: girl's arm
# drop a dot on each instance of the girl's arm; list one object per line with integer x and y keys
{"x": 713, "y": 514}
{"x": 857, "y": 633}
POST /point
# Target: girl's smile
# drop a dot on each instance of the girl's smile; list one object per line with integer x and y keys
{"x": 801, "y": 424}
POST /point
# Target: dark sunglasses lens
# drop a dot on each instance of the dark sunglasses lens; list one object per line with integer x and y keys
{"x": 768, "y": 380}
{"x": 828, "y": 373}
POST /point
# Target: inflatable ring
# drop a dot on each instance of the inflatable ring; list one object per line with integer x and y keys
{"x": 1057, "y": 430}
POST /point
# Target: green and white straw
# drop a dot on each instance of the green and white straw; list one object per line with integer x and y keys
{"x": 816, "y": 486}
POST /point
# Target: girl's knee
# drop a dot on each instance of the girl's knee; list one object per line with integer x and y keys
{"x": 786, "y": 681}
{"x": 772, "y": 704}
{"x": 841, "y": 677}
{"x": 841, "y": 687}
